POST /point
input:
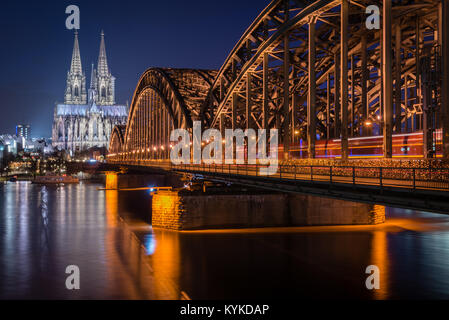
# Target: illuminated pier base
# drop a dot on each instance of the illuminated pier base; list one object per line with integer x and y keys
{"x": 183, "y": 211}
{"x": 111, "y": 180}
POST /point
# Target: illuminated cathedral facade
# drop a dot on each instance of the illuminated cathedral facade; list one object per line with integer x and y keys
{"x": 87, "y": 116}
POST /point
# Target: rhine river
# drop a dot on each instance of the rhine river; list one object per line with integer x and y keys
{"x": 108, "y": 235}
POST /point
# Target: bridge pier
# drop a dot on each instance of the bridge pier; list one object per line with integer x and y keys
{"x": 180, "y": 210}
{"x": 111, "y": 180}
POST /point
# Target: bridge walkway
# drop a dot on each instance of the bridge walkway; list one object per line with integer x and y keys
{"x": 415, "y": 188}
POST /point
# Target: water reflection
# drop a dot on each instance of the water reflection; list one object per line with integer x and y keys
{"x": 410, "y": 250}
{"x": 44, "y": 229}
{"x": 149, "y": 241}
{"x": 111, "y": 207}
{"x": 44, "y": 237}
{"x": 380, "y": 259}
{"x": 107, "y": 234}
{"x": 166, "y": 263}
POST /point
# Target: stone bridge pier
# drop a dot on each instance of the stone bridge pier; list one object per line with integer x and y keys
{"x": 182, "y": 210}
{"x": 207, "y": 205}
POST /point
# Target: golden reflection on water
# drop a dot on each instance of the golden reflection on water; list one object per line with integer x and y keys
{"x": 166, "y": 264}
{"x": 124, "y": 249}
{"x": 163, "y": 264}
{"x": 111, "y": 207}
{"x": 174, "y": 267}
{"x": 379, "y": 257}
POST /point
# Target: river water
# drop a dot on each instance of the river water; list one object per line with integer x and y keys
{"x": 107, "y": 235}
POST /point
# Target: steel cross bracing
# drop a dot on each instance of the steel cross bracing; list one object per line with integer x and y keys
{"x": 314, "y": 71}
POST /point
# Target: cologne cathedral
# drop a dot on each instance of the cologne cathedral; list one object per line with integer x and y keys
{"x": 87, "y": 116}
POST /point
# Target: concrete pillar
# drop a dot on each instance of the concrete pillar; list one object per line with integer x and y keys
{"x": 387, "y": 81}
{"x": 111, "y": 180}
{"x": 182, "y": 211}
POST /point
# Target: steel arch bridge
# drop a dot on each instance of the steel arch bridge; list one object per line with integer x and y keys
{"x": 314, "y": 71}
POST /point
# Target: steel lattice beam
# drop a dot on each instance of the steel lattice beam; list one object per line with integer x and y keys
{"x": 313, "y": 68}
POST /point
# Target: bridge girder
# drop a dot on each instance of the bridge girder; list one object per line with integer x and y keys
{"x": 164, "y": 99}
{"x": 265, "y": 83}
{"x": 117, "y": 139}
{"x": 266, "y": 37}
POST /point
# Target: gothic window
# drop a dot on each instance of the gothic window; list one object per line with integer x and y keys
{"x": 103, "y": 92}
{"x": 60, "y": 131}
{"x": 76, "y": 91}
{"x": 78, "y": 135}
{"x": 66, "y": 131}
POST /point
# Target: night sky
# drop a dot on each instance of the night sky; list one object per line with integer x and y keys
{"x": 36, "y": 47}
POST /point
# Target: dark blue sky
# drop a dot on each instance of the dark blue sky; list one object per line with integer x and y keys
{"x": 36, "y": 48}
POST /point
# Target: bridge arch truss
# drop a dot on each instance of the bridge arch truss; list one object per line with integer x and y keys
{"x": 314, "y": 71}
{"x": 164, "y": 99}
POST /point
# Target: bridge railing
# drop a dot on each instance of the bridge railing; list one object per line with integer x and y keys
{"x": 404, "y": 177}
{"x": 411, "y": 178}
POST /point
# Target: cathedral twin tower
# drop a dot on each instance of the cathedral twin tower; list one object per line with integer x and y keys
{"x": 102, "y": 83}
{"x": 86, "y": 118}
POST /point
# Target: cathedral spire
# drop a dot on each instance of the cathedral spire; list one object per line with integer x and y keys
{"x": 75, "y": 92}
{"x": 75, "y": 66}
{"x": 102, "y": 60}
{"x": 93, "y": 78}
{"x": 105, "y": 82}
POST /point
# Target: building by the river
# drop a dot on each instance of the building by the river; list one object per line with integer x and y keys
{"x": 23, "y": 130}
{"x": 87, "y": 116}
